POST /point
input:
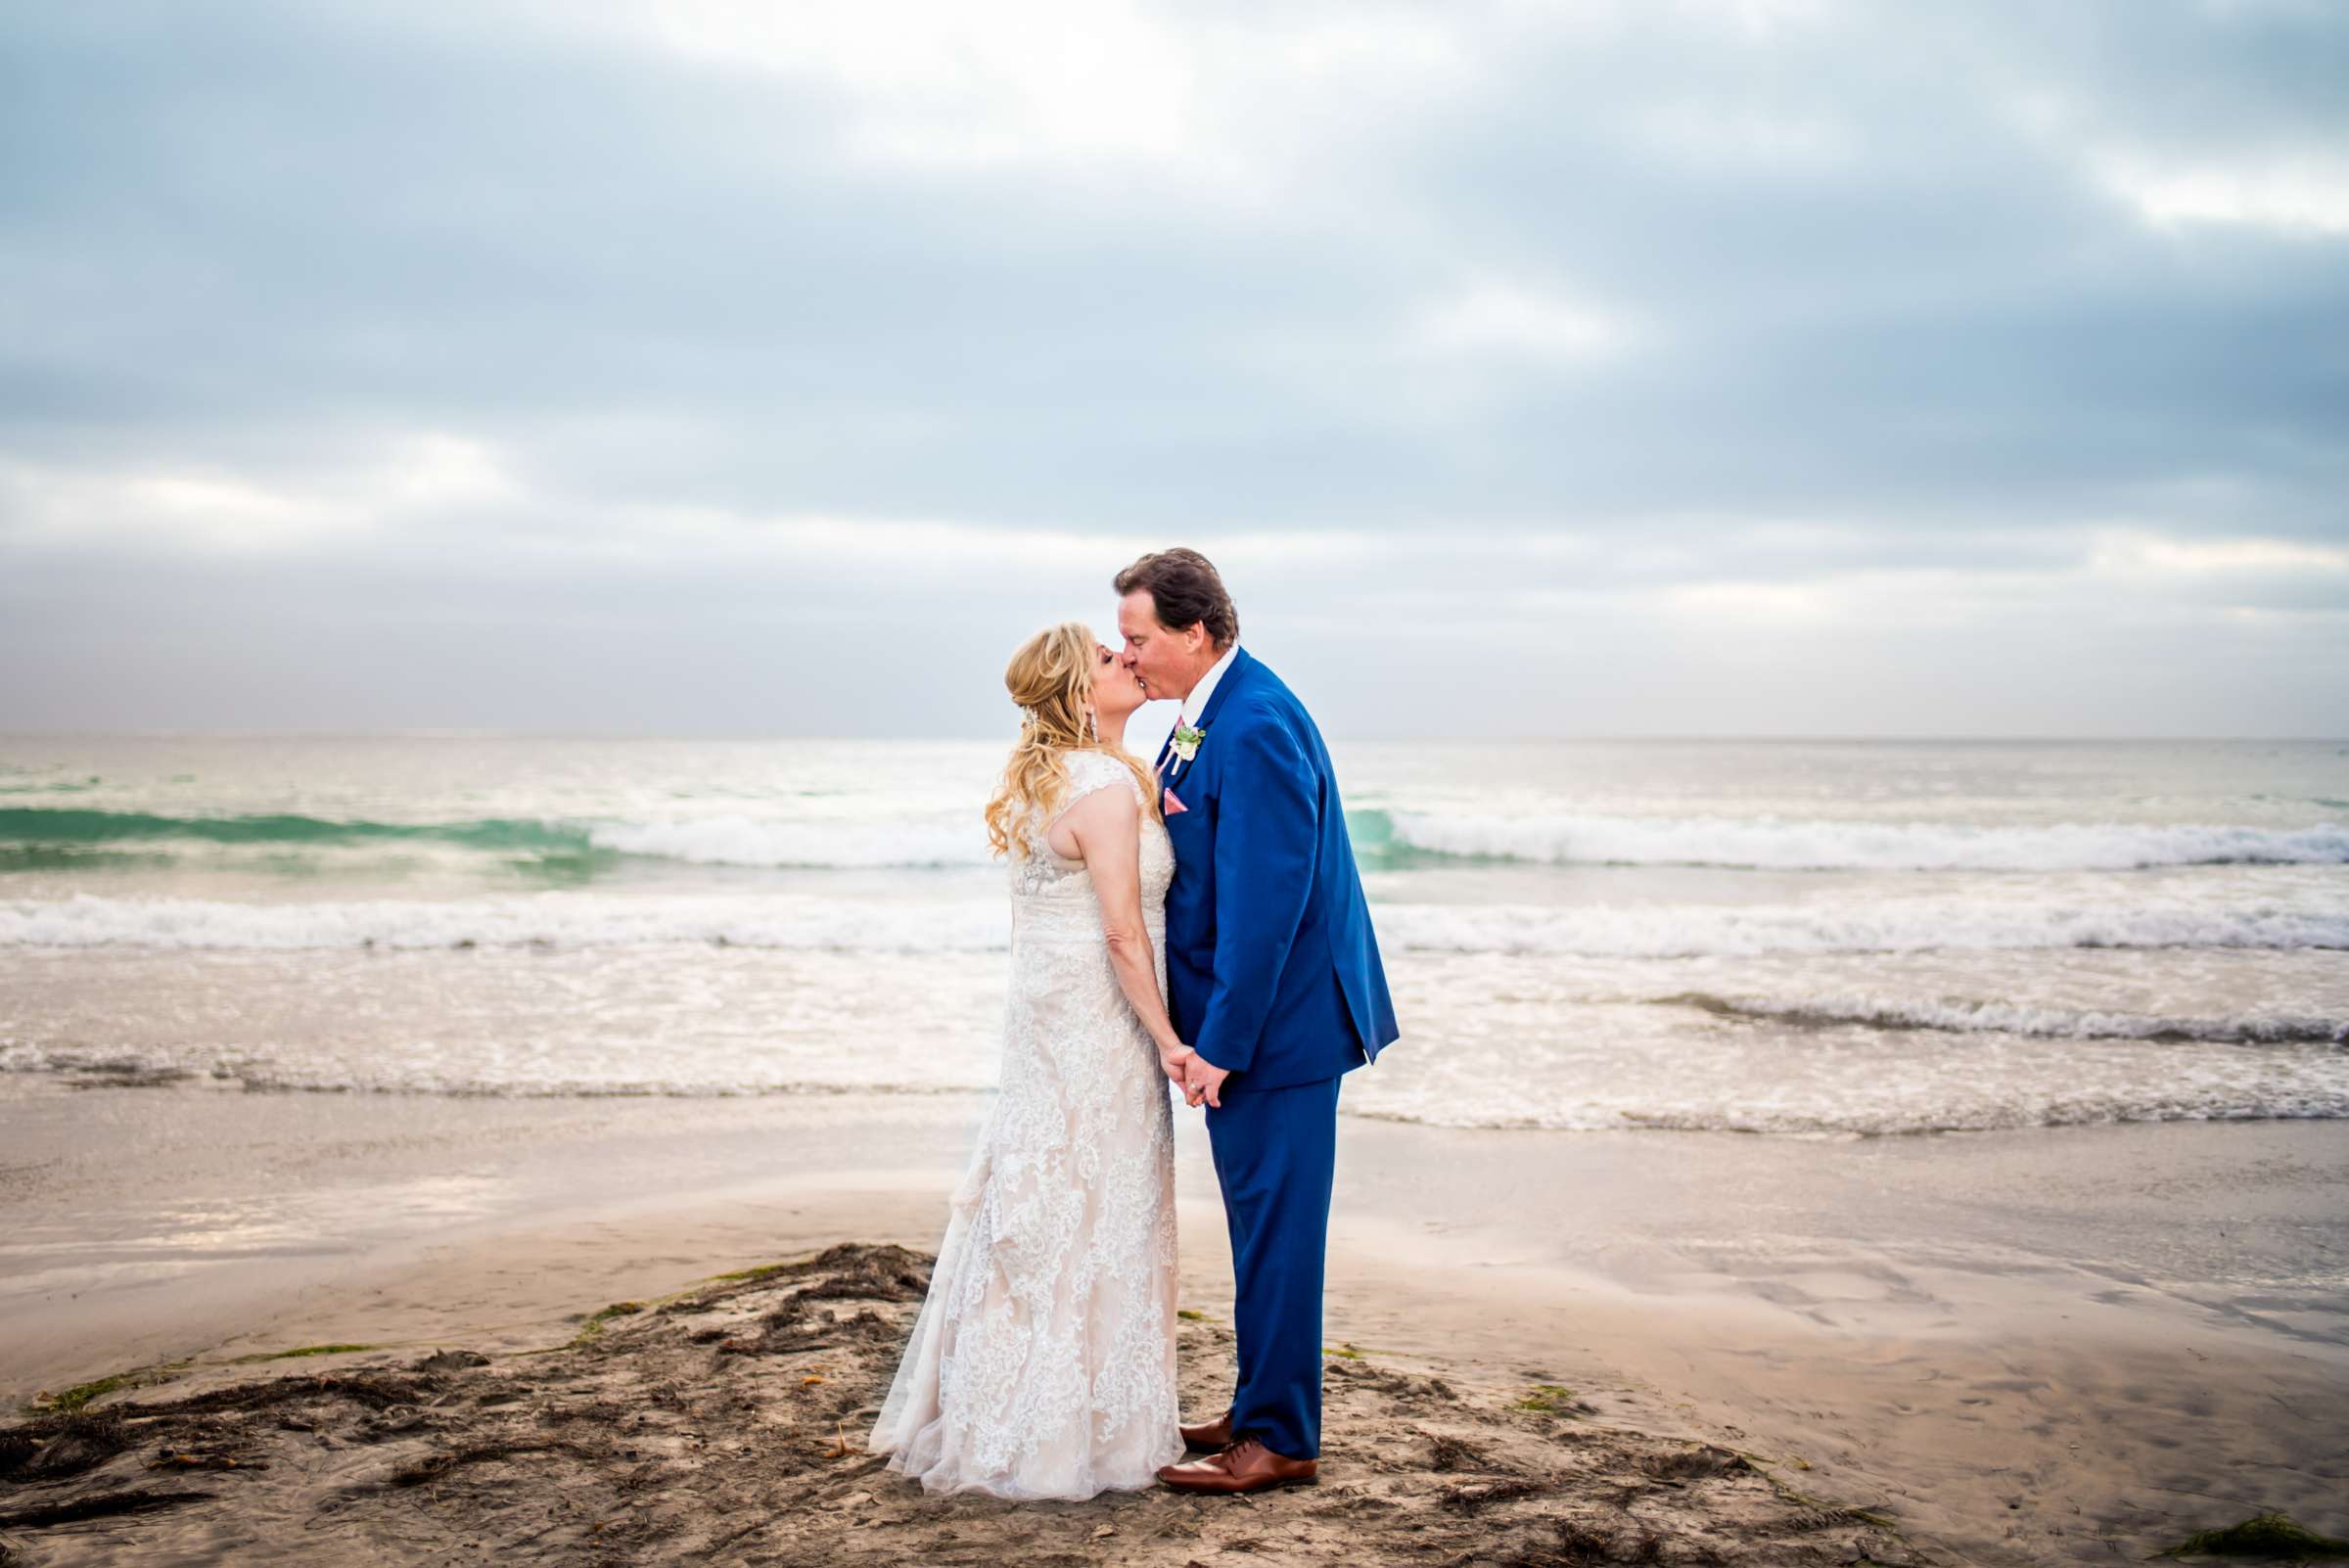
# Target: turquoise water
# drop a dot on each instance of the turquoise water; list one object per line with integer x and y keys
{"x": 1837, "y": 939}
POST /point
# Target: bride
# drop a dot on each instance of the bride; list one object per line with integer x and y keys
{"x": 1042, "y": 1364}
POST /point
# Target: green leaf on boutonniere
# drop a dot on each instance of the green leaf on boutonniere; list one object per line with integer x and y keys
{"x": 1186, "y": 741}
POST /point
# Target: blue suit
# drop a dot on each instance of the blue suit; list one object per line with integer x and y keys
{"x": 1273, "y": 974}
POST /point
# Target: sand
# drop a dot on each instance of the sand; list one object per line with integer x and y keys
{"x": 722, "y": 1425}
{"x": 2072, "y": 1346}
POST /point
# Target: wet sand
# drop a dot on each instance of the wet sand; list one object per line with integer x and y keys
{"x": 2058, "y": 1345}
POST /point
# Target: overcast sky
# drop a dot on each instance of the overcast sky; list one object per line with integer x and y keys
{"x": 1712, "y": 367}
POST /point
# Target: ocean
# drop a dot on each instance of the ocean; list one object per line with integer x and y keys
{"x": 1821, "y": 939}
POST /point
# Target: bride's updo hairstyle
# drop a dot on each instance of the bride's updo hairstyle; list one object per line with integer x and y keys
{"x": 1052, "y": 678}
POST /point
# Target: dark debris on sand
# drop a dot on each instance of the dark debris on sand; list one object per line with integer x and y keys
{"x": 725, "y": 1425}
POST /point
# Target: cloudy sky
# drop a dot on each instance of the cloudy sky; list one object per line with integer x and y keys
{"x": 1582, "y": 368}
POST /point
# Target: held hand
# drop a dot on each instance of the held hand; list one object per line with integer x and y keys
{"x": 1172, "y": 1063}
{"x": 1204, "y": 1081}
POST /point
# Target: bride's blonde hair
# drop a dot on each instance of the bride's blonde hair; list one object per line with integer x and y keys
{"x": 1052, "y": 678}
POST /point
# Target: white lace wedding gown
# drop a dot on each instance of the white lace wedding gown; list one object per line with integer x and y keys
{"x": 1042, "y": 1364}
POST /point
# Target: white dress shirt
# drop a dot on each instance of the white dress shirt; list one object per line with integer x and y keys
{"x": 1196, "y": 703}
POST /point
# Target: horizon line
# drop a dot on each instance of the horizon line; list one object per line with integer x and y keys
{"x": 457, "y": 732}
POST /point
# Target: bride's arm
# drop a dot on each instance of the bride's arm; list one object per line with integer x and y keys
{"x": 1107, "y": 826}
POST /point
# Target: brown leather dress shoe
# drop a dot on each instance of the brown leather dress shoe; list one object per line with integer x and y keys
{"x": 1245, "y": 1466}
{"x": 1216, "y": 1434}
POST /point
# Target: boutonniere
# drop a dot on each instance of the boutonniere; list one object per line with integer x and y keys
{"x": 1186, "y": 741}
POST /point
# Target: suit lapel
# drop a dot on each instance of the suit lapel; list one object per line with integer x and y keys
{"x": 1223, "y": 688}
{"x": 1232, "y": 678}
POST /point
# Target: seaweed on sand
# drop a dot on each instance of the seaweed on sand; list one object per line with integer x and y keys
{"x": 2263, "y": 1535}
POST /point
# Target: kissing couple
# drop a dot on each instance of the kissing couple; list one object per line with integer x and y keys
{"x": 1198, "y": 926}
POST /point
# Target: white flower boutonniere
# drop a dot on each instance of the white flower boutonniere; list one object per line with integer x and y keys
{"x": 1186, "y": 741}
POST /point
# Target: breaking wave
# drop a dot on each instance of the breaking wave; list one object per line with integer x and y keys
{"x": 1769, "y": 844}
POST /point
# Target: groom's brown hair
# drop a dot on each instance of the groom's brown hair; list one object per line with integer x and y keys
{"x": 1185, "y": 589}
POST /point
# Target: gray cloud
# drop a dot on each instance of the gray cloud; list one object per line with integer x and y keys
{"x": 1794, "y": 367}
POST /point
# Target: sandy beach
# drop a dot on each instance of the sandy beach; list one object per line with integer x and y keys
{"x": 2070, "y": 1345}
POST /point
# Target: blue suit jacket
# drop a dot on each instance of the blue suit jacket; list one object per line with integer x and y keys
{"x": 1272, "y": 972}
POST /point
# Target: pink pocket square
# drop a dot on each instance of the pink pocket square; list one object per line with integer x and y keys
{"x": 1173, "y": 806}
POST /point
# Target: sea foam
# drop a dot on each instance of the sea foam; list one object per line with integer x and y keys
{"x": 2313, "y": 917}
{"x": 1792, "y": 845}
{"x": 1831, "y": 1009}
{"x": 751, "y": 841}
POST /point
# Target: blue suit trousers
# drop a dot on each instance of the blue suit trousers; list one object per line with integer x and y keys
{"x": 1275, "y": 1153}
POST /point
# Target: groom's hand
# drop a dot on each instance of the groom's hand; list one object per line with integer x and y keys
{"x": 1203, "y": 1079}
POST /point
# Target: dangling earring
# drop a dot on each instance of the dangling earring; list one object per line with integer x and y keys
{"x": 1092, "y": 723}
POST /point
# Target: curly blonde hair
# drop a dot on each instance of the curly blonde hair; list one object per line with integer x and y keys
{"x": 1052, "y": 678}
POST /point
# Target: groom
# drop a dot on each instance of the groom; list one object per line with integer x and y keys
{"x": 1273, "y": 978}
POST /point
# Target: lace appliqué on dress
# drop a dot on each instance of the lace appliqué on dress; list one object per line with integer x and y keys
{"x": 1042, "y": 1364}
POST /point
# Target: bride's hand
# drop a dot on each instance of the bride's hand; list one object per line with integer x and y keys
{"x": 1171, "y": 1062}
